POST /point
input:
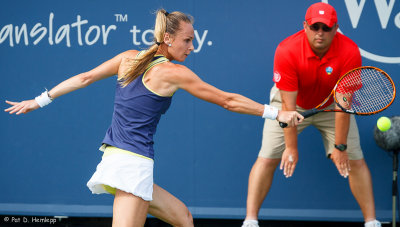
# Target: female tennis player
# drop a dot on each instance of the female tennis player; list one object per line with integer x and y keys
{"x": 146, "y": 82}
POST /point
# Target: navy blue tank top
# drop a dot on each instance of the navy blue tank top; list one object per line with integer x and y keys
{"x": 137, "y": 111}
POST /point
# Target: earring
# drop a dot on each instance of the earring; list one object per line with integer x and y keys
{"x": 169, "y": 44}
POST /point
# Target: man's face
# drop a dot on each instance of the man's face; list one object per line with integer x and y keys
{"x": 320, "y": 36}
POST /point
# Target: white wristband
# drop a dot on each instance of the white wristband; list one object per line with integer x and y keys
{"x": 43, "y": 99}
{"x": 270, "y": 112}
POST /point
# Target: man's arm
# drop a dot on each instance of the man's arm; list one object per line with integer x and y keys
{"x": 340, "y": 158}
{"x": 290, "y": 155}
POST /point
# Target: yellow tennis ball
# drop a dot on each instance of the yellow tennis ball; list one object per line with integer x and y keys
{"x": 384, "y": 124}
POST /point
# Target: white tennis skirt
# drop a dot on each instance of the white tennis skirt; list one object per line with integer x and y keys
{"x": 123, "y": 170}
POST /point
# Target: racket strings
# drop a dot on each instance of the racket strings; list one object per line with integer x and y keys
{"x": 365, "y": 90}
{"x": 377, "y": 91}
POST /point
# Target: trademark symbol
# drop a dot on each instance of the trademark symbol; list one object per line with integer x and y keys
{"x": 121, "y": 17}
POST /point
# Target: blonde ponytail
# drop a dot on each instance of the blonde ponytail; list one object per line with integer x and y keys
{"x": 165, "y": 22}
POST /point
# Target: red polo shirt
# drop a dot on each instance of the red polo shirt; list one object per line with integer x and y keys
{"x": 297, "y": 68}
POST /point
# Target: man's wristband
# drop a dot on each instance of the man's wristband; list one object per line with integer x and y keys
{"x": 270, "y": 112}
{"x": 44, "y": 99}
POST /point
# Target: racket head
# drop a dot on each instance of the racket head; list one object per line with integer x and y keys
{"x": 364, "y": 90}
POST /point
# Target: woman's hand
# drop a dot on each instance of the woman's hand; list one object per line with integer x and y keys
{"x": 22, "y": 107}
{"x": 292, "y": 118}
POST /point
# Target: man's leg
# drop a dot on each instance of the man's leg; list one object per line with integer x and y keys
{"x": 359, "y": 177}
{"x": 260, "y": 181}
{"x": 361, "y": 186}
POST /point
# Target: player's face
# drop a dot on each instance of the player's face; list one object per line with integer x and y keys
{"x": 320, "y": 36}
{"x": 182, "y": 42}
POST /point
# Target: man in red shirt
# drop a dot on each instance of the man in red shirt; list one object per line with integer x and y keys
{"x": 307, "y": 66}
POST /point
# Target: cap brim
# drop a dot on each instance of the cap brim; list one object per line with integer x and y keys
{"x": 312, "y": 21}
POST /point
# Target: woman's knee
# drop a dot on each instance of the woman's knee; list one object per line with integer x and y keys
{"x": 186, "y": 220}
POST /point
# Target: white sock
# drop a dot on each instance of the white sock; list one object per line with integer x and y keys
{"x": 250, "y": 222}
{"x": 374, "y": 223}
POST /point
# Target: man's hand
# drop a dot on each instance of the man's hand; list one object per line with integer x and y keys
{"x": 341, "y": 160}
{"x": 289, "y": 161}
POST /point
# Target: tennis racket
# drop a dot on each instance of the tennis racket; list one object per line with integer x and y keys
{"x": 365, "y": 90}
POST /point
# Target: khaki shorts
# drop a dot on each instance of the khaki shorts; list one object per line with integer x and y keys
{"x": 273, "y": 142}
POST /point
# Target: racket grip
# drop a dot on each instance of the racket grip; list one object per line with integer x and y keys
{"x": 305, "y": 114}
{"x": 311, "y": 112}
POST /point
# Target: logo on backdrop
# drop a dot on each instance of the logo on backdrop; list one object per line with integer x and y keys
{"x": 385, "y": 11}
{"x": 86, "y": 34}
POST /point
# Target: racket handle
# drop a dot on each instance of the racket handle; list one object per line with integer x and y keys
{"x": 309, "y": 113}
{"x": 306, "y": 114}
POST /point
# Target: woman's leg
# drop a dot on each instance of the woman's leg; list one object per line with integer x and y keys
{"x": 168, "y": 208}
{"x": 129, "y": 210}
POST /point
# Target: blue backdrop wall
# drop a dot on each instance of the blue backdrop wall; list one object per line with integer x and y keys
{"x": 203, "y": 152}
